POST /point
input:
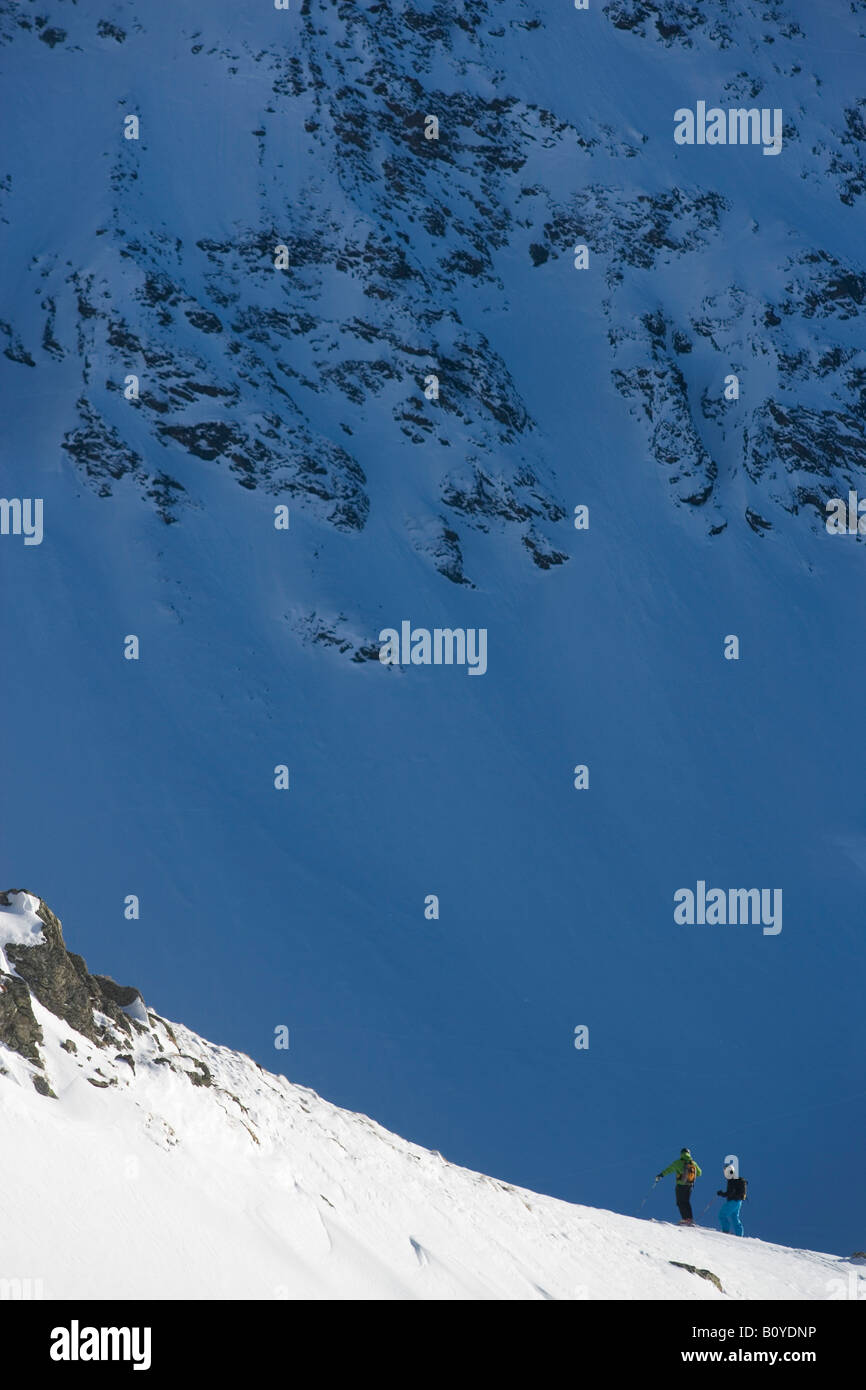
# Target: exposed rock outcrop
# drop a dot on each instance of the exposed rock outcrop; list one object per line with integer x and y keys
{"x": 59, "y": 979}
{"x": 701, "y": 1273}
{"x": 119, "y": 1039}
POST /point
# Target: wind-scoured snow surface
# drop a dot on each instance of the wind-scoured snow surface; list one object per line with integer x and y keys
{"x": 185, "y": 1171}
{"x": 305, "y": 387}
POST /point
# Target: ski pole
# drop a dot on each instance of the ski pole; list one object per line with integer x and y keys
{"x": 709, "y": 1204}
{"x": 649, "y": 1194}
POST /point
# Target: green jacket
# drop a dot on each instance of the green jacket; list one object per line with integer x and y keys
{"x": 677, "y": 1167}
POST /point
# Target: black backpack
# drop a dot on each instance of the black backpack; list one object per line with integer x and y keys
{"x": 737, "y": 1189}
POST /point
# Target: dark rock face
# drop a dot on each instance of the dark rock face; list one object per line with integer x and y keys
{"x": 662, "y": 397}
{"x": 276, "y": 370}
{"x": 18, "y": 1027}
{"x": 482, "y": 497}
{"x": 123, "y": 995}
{"x": 248, "y": 363}
{"x": 332, "y": 633}
{"x": 809, "y": 455}
{"x": 59, "y": 979}
{"x": 442, "y": 546}
{"x": 794, "y": 457}
{"x": 637, "y": 231}
{"x": 683, "y": 22}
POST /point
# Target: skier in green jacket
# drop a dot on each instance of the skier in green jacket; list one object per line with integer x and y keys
{"x": 686, "y": 1170}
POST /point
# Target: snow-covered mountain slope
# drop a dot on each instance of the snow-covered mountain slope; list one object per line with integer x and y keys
{"x": 150, "y": 1163}
{"x": 306, "y": 386}
{"x": 400, "y": 249}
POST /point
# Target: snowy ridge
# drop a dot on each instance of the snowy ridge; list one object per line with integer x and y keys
{"x": 217, "y": 1179}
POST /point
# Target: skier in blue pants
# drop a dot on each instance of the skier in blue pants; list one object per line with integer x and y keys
{"x": 729, "y": 1218}
{"x": 734, "y": 1195}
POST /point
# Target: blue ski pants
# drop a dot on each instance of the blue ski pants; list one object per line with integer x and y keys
{"x": 729, "y": 1218}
